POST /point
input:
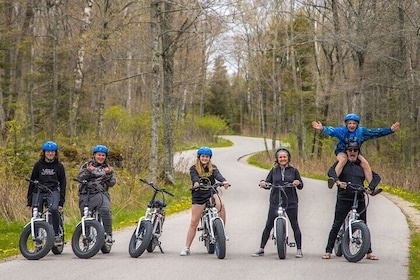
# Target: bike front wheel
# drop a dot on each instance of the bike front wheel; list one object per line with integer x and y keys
{"x": 87, "y": 246}
{"x": 37, "y": 246}
{"x": 220, "y": 239}
{"x": 140, "y": 241}
{"x": 356, "y": 246}
{"x": 281, "y": 240}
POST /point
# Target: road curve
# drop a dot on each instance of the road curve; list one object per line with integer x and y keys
{"x": 246, "y": 206}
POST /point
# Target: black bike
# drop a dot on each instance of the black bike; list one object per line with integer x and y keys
{"x": 353, "y": 239}
{"x": 37, "y": 238}
{"x": 281, "y": 228}
{"x": 211, "y": 225}
{"x": 89, "y": 235}
{"x": 149, "y": 227}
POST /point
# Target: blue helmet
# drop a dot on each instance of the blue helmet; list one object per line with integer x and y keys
{"x": 204, "y": 151}
{"x": 49, "y": 146}
{"x": 352, "y": 117}
{"x": 100, "y": 149}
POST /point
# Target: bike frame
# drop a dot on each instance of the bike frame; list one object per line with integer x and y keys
{"x": 353, "y": 215}
{"x": 281, "y": 212}
{"x": 36, "y": 215}
{"x": 210, "y": 214}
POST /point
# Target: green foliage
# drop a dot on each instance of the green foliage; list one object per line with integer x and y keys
{"x": 414, "y": 267}
{"x": 196, "y": 131}
{"x": 16, "y": 153}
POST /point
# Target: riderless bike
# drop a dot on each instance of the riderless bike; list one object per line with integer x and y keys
{"x": 149, "y": 227}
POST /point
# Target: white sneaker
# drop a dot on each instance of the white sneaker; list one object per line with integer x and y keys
{"x": 185, "y": 252}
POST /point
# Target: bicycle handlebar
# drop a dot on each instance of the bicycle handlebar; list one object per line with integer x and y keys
{"x": 38, "y": 185}
{"x": 155, "y": 187}
{"x": 208, "y": 187}
{"x": 270, "y": 185}
{"x": 361, "y": 188}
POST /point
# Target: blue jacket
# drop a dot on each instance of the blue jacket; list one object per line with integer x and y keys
{"x": 360, "y": 135}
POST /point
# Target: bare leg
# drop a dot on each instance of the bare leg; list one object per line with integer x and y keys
{"x": 366, "y": 168}
{"x": 221, "y": 207}
{"x": 196, "y": 211}
{"x": 342, "y": 160}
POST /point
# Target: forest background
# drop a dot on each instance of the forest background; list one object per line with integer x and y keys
{"x": 148, "y": 78}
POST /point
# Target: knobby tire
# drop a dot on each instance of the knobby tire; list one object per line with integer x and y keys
{"x": 354, "y": 250}
{"x": 37, "y": 248}
{"x": 89, "y": 246}
{"x": 220, "y": 237}
{"x": 281, "y": 241}
{"x": 139, "y": 243}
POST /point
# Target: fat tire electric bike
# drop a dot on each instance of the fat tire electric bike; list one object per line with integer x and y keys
{"x": 89, "y": 236}
{"x": 37, "y": 237}
{"x": 212, "y": 226}
{"x": 150, "y": 226}
{"x": 353, "y": 238}
{"x": 281, "y": 228}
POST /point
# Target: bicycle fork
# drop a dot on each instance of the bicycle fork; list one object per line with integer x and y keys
{"x": 290, "y": 244}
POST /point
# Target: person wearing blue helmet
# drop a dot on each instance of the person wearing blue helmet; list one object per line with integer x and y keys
{"x": 50, "y": 172}
{"x": 100, "y": 176}
{"x": 353, "y": 132}
{"x": 203, "y": 170}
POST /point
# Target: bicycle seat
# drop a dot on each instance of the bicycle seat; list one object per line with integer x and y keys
{"x": 157, "y": 203}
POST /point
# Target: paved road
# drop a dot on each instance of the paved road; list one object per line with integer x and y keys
{"x": 247, "y": 208}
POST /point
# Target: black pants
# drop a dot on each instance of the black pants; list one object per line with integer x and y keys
{"x": 342, "y": 207}
{"x": 100, "y": 201}
{"x": 53, "y": 199}
{"x": 293, "y": 218}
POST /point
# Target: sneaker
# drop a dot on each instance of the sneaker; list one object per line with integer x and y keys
{"x": 109, "y": 240}
{"x": 259, "y": 253}
{"x": 185, "y": 252}
{"x": 299, "y": 253}
{"x": 58, "y": 241}
{"x": 330, "y": 182}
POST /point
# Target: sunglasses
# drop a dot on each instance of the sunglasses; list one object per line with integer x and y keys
{"x": 353, "y": 150}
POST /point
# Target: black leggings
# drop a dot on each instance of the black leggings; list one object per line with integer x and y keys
{"x": 293, "y": 218}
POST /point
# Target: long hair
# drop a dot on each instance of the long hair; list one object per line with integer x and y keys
{"x": 42, "y": 155}
{"x": 200, "y": 168}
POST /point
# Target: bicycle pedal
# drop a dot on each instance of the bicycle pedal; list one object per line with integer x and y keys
{"x": 292, "y": 244}
{"x": 200, "y": 229}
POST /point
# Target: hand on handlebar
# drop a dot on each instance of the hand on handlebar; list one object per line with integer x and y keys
{"x": 342, "y": 185}
{"x": 226, "y": 184}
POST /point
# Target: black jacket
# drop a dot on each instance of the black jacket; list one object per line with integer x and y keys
{"x": 352, "y": 172}
{"x": 50, "y": 174}
{"x": 276, "y": 177}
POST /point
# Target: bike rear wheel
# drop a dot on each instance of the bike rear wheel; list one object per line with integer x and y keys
{"x": 87, "y": 246}
{"x": 356, "y": 247}
{"x": 337, "y": 244}
{"x": 139, "y": 242}
{"x": 155, "y": 239}
{"x": 38, "y": 246}
{"x": 281, "y": 241}
{"x": 220, "y": 238}
{"x": 57, "y": 250}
